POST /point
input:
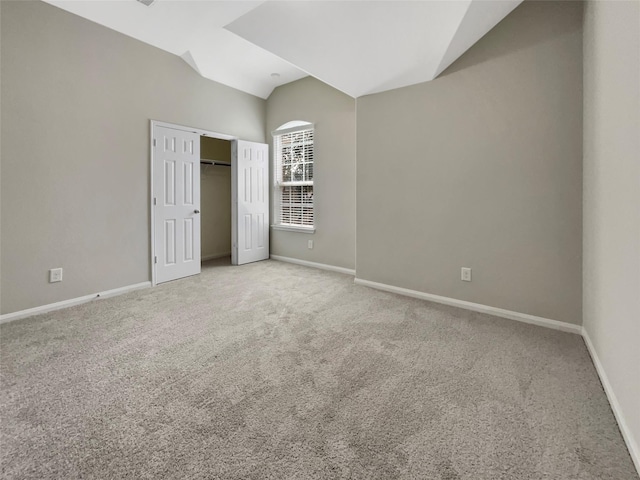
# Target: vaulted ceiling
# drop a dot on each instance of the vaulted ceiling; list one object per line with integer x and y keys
{"x": 357, "y": 46}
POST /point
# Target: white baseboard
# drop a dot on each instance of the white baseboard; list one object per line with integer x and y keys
{"x": 204, "y": 258}
{"x": 9, "y": 317}
{"x": 627, "y": 435}
{"x": 476, "y": 307}
{"x": 321, "y": 266}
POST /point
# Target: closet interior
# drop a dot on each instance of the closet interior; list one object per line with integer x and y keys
{"x": 215, "y": 198}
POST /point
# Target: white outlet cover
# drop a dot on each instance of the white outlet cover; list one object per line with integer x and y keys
{"x": 465, "y": 274}
{"x": 55, "y": 275}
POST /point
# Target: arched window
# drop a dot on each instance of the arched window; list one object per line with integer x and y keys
{"x": 293, "y": 175}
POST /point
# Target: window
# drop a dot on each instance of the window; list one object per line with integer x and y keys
{"x": 293, "y": 175}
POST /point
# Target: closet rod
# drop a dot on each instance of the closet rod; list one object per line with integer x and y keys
{"x": 202, "y": 162}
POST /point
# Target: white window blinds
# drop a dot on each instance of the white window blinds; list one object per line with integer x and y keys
{"x": 293, "y": 152}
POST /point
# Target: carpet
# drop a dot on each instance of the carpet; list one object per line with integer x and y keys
{"x": 277, "y": 371}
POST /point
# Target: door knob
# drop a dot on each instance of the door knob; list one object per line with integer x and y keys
{"x": 196, "y": 211}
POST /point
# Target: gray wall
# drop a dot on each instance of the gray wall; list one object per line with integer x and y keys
{"x": 612, "y": 200}
{"x": 76, "y": 104}
{"x": 215, "y": 199}
{"x": 482, "y": 168}
{"x": 333, "y": 114}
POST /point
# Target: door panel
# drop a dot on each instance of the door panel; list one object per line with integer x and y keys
{"x": 250, "y": 203}
{"x": 176, "y": 187}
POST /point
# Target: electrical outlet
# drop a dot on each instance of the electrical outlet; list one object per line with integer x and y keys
{"x": 55, "y": 275}
{"x": 465, "y": 274}
{"x": 310, "y": 244}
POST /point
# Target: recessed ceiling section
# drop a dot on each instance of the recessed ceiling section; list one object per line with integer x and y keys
{"x": 359, "y": 47}
{"x": 364, "y": 47}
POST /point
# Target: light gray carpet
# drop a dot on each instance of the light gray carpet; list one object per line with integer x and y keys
{"x": 275, "y": 371}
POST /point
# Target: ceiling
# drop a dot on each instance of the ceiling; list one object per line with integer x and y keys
{"x": 357, "y": 46}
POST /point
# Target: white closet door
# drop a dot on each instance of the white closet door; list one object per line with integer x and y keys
{"x": 250, "y": 202}
{"x": 176, "y": 188}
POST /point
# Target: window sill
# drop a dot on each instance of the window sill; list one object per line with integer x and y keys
{"x": 290, "y": 228}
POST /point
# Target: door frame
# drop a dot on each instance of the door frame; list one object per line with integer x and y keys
{"x": 199, "y": 131}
